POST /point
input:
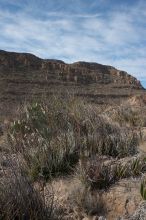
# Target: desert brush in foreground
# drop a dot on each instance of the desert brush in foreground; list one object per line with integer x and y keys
{"x": 66, "y": 137}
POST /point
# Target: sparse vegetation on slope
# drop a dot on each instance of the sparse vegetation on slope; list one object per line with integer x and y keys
{"x": 66, "y": 136}
{"x": 51, "y": 138}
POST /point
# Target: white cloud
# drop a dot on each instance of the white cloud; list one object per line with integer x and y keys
{"x": 116, "y": 38}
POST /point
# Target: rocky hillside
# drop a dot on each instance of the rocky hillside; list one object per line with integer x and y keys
{"x": 77, "y": 159}
{"x": 23, "y": 76}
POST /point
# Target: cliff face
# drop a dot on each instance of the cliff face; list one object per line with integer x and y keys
{"x": 79, "y": 72}
{"x": 24, "y": 75}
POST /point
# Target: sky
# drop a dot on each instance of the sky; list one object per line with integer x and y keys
{"x": 110, "y": 32}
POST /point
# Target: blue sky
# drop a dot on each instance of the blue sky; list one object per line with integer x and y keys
{"x": 111, "y": 32}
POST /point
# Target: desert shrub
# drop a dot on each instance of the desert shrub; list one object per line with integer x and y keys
{"x": 94, "y": 174}
{"x": 87, "y": 203}
{"x": 44, "y": 137}
{"x": 19, "y": 199}
{"x": 99, "y": 174}
{"x": 98, "y": 134}
{"x": 101, "y": 136}
{"x": 126, "y": 115}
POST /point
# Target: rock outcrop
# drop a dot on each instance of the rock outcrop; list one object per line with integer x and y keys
{"x": 23, "y": 76}
{"x": 79, "y": 72}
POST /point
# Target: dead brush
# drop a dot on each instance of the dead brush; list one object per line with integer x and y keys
{"x": 87, "y": 203}
{"x": 95, "y": 175}
{"x": 20, "y": 200}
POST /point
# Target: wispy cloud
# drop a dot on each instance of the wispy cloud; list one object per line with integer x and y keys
{"x": 86, "y": 32}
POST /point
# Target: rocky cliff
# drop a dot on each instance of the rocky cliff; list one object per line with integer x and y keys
{"x": 24, "y": 75}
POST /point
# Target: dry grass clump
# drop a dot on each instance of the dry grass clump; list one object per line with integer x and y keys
{"x": 126, "y": 115}
{"x": 87, "y": 203}
{"x": 20, "y": 200}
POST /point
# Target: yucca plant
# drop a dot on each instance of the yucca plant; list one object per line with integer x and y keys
{"x": 120, "y": 172}
{"x": 137, "y": 166}
{"x": 143, "y": 189}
